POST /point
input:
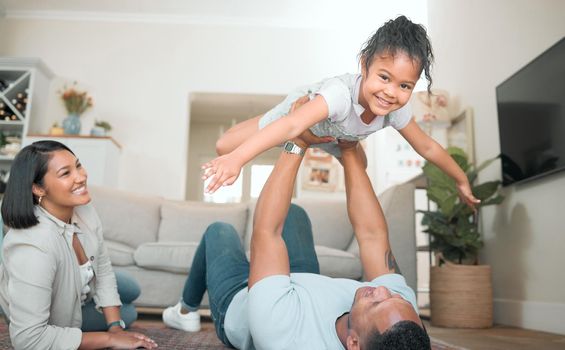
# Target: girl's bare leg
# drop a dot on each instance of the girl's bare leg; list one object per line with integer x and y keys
{"x": 236, "y": 135}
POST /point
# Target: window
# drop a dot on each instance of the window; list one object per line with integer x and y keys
{"x": 225, "y": 194}
{"x": 259, "y": 176}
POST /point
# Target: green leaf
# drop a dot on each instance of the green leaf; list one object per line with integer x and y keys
{"x": 486, "y": 190}
{"x": 436, "y": 177}
{"x": 432, "y": 216}
{"x": 457, "y": 151}
{"x": 447, "y": 205}
{"x": 461, "y": 161}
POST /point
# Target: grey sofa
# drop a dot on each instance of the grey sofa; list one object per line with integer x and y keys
{"x": 155, "y": 239}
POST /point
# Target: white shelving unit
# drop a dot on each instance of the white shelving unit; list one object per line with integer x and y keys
{"x": 23, "y": 99}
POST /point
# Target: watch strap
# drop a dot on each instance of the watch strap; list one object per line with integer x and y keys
{"x": 120, "y": 323}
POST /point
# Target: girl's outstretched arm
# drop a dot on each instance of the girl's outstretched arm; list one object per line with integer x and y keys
{"x": 226, "y": 168}
{"x": 433, "y": 152}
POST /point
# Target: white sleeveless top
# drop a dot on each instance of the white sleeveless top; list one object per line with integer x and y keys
{"x": 86, "y": 275}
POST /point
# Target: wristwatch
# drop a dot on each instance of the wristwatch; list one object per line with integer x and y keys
{"x": 120, "y": 323}
{"x": 293, "y": 148}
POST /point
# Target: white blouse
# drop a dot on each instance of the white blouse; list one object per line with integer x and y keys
{"x": 86, "y": 275}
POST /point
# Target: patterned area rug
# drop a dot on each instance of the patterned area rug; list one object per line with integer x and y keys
{"x": 173, "y": 339}
{"x": 167, "y": 338}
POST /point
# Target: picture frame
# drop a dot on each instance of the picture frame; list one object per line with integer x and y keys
{"x": 318, "y": 155}
{"x": 320, "y": 176}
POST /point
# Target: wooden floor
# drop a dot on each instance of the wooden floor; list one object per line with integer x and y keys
{"x": 496, "y": 338}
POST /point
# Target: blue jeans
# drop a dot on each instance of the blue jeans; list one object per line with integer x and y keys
{"x": 128, "y": 289}
{"x": 220, "y": 264}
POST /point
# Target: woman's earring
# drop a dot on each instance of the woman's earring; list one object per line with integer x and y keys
{"x": 39, "y": 199}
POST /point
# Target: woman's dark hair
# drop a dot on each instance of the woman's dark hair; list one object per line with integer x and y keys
{"x": 400, "y": 34}
{"x": 29, "y": 167}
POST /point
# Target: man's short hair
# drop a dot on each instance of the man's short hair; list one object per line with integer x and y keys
{"x": 402, "y": 335}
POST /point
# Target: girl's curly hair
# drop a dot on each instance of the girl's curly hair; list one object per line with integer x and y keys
{"x": 400, "y": 34}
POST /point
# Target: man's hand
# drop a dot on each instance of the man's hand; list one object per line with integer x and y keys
{"x": 347, "y": 146}
{"x": 352, "y": 148}
{"x": 307, "y": 138}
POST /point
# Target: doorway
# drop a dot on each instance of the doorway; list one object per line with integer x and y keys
{"x": 211, "y": 114}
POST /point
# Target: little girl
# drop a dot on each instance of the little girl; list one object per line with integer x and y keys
{"x": 348, "y": 107}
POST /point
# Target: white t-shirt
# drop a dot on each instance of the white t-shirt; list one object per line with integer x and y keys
{"x": 344, "y": 121}
{"x": 298, "y": 311}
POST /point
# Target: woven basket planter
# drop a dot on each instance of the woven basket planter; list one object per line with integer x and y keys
{"x": 461, "y": 296}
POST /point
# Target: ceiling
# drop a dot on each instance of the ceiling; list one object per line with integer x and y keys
{"x": 214, "y": 107}
{"x": 286, "y": 13}
{"x": 224, "y": 107}
{"x": 293, "y": 13}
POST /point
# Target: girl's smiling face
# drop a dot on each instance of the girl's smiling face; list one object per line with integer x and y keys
{"x": 388, "y": 83}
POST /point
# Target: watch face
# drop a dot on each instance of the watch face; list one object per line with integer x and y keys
{"x": 288, "y": 146}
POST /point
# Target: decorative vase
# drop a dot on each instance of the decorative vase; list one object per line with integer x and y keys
{"x": 71, "y": 124}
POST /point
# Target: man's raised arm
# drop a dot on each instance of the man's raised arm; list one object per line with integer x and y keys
{"x": 268, "y": 251}
{"x": 366, "y": 215}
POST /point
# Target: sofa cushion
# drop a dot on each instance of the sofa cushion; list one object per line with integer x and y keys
{"x": 338, "y": 263}
{"x": 127, "y": 218}
{"x": 166, "y": 256}
{"x": 187, "y": 221}
{"x": 120, "y": 254}
{"x": 330, "y": 223}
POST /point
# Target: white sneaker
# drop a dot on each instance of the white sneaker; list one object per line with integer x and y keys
{"x": 189, "y": 322}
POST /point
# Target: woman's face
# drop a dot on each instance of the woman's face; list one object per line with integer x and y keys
{"x": 64, "y": 184}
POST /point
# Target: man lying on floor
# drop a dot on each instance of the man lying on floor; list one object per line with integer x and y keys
{"x": 279, "y": 300}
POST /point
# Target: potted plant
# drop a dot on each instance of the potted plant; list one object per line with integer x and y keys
{"x": 76, "y": 103}
{"x": 460, "y": 288}
{"x": 101, "y": 128}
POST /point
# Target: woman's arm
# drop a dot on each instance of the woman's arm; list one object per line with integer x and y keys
{"x": 32, "y": 271}
{"x": 106, "y": 288}
{"x": 121, "y": 340}
{"x": 433, "y": 152}
{"x": 227, "y": 167}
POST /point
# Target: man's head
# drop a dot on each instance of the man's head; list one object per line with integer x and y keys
{"x": 381, "y": 319}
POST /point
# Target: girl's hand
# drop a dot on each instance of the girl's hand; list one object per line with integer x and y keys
{"x": 131, "y": 340}
{"x": 225, "y": 170}
{"x": 466, "y": 195}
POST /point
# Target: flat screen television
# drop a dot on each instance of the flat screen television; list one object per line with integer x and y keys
{"x": 531, "y": 118}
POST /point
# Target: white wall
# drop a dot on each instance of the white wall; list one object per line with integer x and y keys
{"x": 478, "y": 44}
{"x": 141, "y": 74}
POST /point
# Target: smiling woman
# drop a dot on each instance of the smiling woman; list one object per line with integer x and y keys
{"x": 55, "y": 245}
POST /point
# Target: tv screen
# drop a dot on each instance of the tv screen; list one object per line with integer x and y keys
{"x": 531, "y": 118}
